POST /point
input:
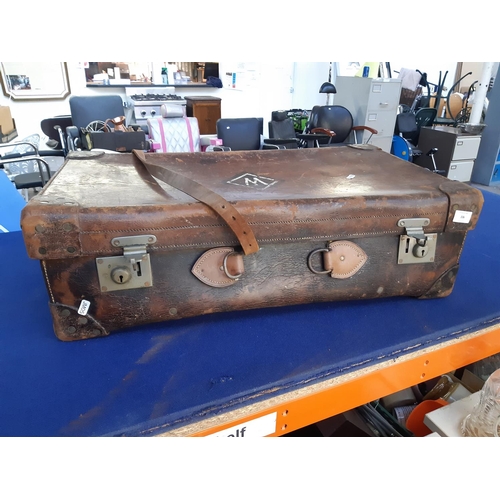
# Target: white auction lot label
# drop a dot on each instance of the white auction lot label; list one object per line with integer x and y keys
{"x": 258, "y": 427}
{"x": 462, "y": 216}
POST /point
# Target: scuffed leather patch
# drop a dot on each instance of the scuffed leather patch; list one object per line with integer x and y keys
{"x": 344, "y": 259}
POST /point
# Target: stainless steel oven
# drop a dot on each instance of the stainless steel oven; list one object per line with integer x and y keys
{"x": 147, "y": 101}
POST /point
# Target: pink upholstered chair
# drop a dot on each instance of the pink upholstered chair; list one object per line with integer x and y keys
{"x": 174, "y": 132}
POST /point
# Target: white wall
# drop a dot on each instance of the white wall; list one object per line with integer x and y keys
{"x": 267, "y": 88}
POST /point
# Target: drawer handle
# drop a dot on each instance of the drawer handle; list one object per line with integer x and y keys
{"x": 384, "y": 104}
{"x": 459, "y": 143}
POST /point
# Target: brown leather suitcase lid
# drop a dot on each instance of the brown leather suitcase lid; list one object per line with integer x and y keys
{"x": 284, "y": 195}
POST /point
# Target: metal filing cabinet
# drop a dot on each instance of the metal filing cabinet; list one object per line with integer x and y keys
{"x": 373, "y": 102}
{"x": 457, "y": 151}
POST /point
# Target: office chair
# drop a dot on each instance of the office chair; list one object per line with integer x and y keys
{"x": 92, "y": 114}
{"x": 242, "y": 134}
{"x": 331, "y": 126}
{"x": 55, "y": 129}
{"x": 408, "y": 124}
{"x": 282, "y": 130}
{"x": 407, "y": 132}
{"x": 174, "y": 132}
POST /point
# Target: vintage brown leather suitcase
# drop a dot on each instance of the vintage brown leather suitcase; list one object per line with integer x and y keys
{"x": 119, "y": 245}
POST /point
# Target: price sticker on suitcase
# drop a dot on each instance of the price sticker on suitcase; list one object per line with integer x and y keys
{"x": 462, "y": 216}
{"x": 84, "y": 307}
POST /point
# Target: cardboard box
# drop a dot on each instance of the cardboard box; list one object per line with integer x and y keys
{"x": 8, "y": 130}
{"x": 6, "y": 122}
{"x": 123, "y": 142}
{"x": 347, "y": 424}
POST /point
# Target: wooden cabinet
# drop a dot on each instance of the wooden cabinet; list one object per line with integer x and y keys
{"x": 373, "y": 102}
{"x": 206, "y": 109}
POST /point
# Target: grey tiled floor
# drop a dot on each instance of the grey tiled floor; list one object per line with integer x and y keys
{"x": 493, "y": 189}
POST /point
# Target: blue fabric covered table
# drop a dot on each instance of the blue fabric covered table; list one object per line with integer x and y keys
{"x": 11, "y": 204}
{"x": 158, "y": 377}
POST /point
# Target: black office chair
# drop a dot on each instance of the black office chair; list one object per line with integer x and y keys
{"x": 408, "y": 124}
{"x": 241, "y": 134}
{"x": 332, "y": 126}
{"x": 282, "y": 130}
{"x": 55, "y": 129}
{"x": 407, "y": 132}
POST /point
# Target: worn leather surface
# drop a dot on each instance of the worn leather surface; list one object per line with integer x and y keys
{"x": 321, "y": 194}
{"x": 198, "y": 191}
{"x": 278, "y": 275}
{"x": 295, "y": 202}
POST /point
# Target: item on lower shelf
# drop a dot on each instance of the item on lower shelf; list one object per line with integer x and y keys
{"x": 401, "y": 398}
{"x": 484, "y": 419}
{"x": 403, "y": 412}
{"x": 449, "y": 389}
{"x": 415, "y": 421}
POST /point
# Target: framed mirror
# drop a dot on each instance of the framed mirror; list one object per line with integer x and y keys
{"x": 34, "y": 80}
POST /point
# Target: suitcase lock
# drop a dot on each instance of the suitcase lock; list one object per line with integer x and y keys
{"x": 416, "y": 247}
{"x": 127, "y": 271}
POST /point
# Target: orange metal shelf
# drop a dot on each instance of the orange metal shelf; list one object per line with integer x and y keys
{"x": 322, "y": 400}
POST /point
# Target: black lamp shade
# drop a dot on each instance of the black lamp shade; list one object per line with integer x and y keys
{"x": 327, "y": 88}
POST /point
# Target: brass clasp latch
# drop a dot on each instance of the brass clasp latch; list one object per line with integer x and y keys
{"x": 127, "y": 271}
{"x": 416, "y": 246}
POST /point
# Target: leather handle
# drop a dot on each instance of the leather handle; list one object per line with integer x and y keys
{"x": 221, "y": 206}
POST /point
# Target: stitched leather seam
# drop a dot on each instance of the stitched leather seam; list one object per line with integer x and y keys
{"x": 261, "y": 240}
{"x": 299, "y": 221}
{"x": 47, "y": 281}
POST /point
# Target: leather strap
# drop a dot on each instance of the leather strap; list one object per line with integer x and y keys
{"x": 231, "y": 216}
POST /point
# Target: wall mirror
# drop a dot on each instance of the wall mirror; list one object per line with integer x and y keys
{"x": 34, "y": 80}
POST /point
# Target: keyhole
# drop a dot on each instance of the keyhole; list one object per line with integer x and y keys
{"x": 121, "y": 275}
{"x": 419, "y": 251}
